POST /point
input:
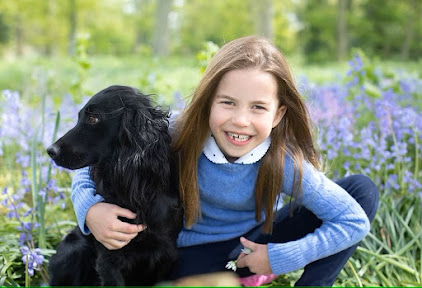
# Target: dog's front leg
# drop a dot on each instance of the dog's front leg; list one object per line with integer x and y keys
{"x": 109, "y": 269}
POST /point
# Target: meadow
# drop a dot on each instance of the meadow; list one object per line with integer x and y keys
{"x": 367, "y": 118}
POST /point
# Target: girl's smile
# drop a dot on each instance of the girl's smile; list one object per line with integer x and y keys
{"x": 238, "y": 139}
{"x": 244, "y": 110}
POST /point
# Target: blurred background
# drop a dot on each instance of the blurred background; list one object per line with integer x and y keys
{"x": 125, "y": 40}
{"x": 357, "y": 63}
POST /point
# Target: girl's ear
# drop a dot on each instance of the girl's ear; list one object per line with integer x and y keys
{"x": 279, "y": 115}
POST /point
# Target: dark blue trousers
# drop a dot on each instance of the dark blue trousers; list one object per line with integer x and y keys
{"x": 213, "y": 257}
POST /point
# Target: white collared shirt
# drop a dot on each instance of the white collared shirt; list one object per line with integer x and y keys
{"x": 214, "y": 154}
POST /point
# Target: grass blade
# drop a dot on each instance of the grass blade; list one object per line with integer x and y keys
{"x": 390, "y": 261}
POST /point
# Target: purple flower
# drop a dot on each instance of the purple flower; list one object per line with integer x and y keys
{"x": 42, "y": 192}
{"x": 23, "y": 159}
{"x": 178, "y": 101}
{"x": 52, "y": 186}
{"x": 34, "y": 259}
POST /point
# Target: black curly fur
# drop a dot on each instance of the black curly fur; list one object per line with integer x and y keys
{"x": 128, "y": 151}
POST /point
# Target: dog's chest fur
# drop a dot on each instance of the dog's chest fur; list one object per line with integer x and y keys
{"x": 137, "y": 201}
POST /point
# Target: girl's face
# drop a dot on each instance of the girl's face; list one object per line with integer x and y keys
{"x": 244, "y": 110}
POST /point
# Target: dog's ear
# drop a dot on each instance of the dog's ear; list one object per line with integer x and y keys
{"x": 144, "y": 144}
{"x": 144, "y": 128}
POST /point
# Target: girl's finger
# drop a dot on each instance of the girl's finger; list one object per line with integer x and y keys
{"x": 130, "y": 228}
{"x": 115, "y": 244}
{"x": 242, "y": 262}
{"x": 241, "y": 255}
{"x": 124, "y": 213}
{"x": 123, "y": 237}
{"x": 248, "y": 244}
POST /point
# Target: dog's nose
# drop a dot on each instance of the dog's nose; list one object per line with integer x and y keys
{"x": 53, "y": 150}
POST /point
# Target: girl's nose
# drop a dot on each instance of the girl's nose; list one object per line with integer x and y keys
{"x": 240, "y": 119}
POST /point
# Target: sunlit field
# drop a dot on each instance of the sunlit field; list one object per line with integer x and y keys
{"x": 368, "y": 119}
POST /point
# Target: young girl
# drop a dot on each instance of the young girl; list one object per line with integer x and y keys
{"x": 245, "y": 141}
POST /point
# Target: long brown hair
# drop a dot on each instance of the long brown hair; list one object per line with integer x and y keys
{"x": 292, "y": 135}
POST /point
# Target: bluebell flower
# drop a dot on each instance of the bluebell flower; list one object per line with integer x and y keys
{"x": 23, "y": 159}
{"x": 42, "y": 192}
{"x": 52, "y": 186}
{"x": 34, "y": 259}
{"x": 27, "y": 212}
{"x": 179, "y": 102}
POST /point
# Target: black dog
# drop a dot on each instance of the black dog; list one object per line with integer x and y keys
{"x": 125, "y": 141}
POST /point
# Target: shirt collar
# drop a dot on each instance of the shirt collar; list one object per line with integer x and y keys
{"x": 214, "y": 154}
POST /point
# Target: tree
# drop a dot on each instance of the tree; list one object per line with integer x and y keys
{"x": 143, "y": 24}
{"x": 318, "y": 34}
{"x": 72, "y": 22}
{"x": 263, "y": 17}
{"x": 342, "y": 41}
{"x": 285, "y": 26}
{"x": 4, "y": 30}
{"x": 390, "y": 29}
{"x": 160, "y": 36}
{"x": 218, "y": 21}
{"x": 411, "y": 14}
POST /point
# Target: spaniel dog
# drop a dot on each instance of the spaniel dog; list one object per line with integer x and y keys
{"x": 125, "y": 141}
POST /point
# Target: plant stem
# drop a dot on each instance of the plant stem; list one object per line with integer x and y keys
{"x": 415, "y": 174}
{"x": 27, "y": 278}
{"x": 355, "y": 274}
{"x": 390, "y": 261}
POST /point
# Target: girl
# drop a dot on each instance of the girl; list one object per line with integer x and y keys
{"x": 245, "y": 141}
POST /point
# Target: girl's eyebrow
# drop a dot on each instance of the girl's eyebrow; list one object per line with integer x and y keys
{"x": 227, "y": 97}
{"x": 224, "y": 96}
{"x": 261, "y": 102}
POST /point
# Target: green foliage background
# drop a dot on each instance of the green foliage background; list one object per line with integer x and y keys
{"x": 44, "y": 57}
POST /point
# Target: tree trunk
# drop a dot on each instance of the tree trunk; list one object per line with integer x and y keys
{"x": 160, "y": 37}
{"x": 48, "y": 49}
{"x": 341, "y": 30}
{"x": 409, "y": 30}
{"x": 19, "y": 35}
{"x": 72, "y": 27}
{"x": 140, "y": 37}
{"x": 263, "y": 11}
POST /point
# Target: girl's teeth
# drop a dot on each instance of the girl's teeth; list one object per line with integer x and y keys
{"x": 238, "y": 137}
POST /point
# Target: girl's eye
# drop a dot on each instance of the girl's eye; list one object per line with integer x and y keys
{"x": 227, "y": 102}
{"x": 93, "y": 120}
{"x": 259, "y": 107}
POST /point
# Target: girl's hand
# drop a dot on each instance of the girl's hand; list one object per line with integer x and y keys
{"x": 257, "y": 261}
{"x": 114, "y": 234}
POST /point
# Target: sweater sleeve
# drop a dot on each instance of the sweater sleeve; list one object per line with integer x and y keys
{"x": 344, "y": 223}
{"x": 83, "y": 196}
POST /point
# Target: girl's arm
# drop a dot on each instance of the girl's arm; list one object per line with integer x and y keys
{"x": 101, "y": 218}
{"x": 344, "y": 223}
{"x": 83, "y": 196}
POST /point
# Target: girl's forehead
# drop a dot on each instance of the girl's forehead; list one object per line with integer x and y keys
{"x": 246, "y": 78}
{"x": 248, "y": 84}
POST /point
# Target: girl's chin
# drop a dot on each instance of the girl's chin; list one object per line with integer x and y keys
{"x": 234, "y": 155}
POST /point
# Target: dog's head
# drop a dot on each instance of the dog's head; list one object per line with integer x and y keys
{"x": 116, "y": 120}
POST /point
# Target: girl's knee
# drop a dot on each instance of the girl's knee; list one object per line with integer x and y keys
{"x": 365, "y": 192}
{"x": 367, "y": 186}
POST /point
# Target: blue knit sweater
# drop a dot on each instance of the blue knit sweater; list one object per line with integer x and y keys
{"x": 227, "y": 198}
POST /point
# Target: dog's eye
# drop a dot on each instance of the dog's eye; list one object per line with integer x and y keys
{"x": 93, "y": 120}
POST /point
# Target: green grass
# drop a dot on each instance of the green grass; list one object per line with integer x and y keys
{"x": 162, "y": 76}
{"x": 150, "y": 75}
{"x": 389, "y": 256}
